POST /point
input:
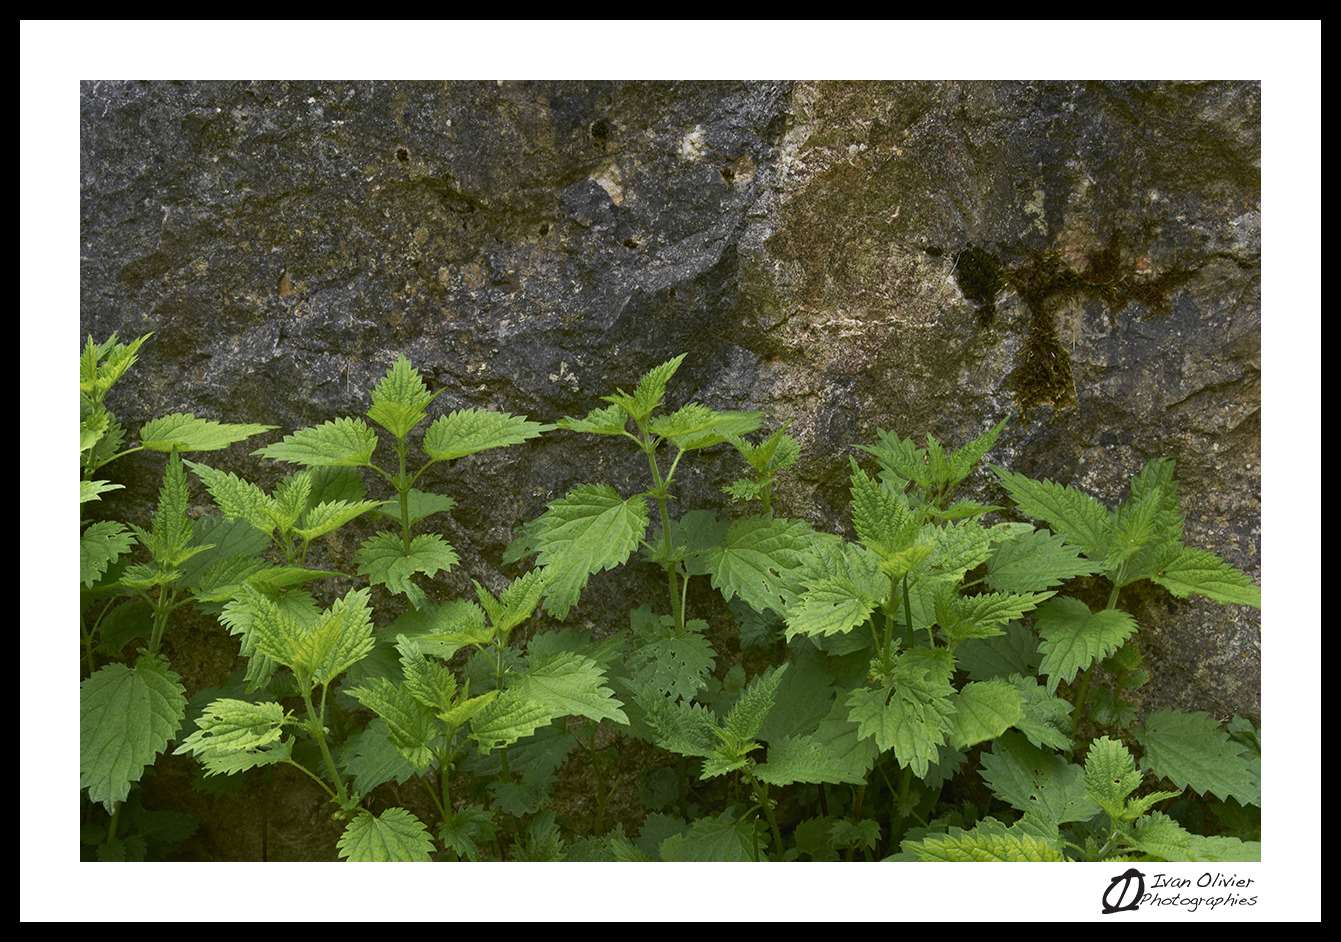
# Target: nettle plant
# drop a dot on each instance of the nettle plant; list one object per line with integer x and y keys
{"x": 131, "y": 707}
{"x": 936, "y": 687}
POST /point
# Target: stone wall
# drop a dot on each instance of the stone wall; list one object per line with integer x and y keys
{"x": 847, "y": 256}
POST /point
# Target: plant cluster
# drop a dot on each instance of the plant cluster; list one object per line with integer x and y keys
{"x": 934, "y": 687}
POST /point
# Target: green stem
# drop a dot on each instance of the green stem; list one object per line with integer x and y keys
{"x": 314, "y": 777}
{"x": 318, "y": 730}
{"x": 761, "y": 796}
{"x": 659, "y": 491}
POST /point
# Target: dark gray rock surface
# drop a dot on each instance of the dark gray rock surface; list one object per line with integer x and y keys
{"x": 919, "y": 257}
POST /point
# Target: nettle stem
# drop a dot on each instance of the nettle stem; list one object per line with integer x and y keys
{"x": 1077, "y": 715}
{"x": 660, "y": 488}
{"x": 319, "y": 732}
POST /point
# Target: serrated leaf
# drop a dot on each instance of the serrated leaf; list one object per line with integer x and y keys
{"x": 418, "y": 505}
{"x": 746, "y": 717}
{"x": 665, "y": 661}
{"x": 330, "y": 516}
{"x": 507, "y": 718}
{"x": 400, "y": 399}
{"x": 1038, "y": 781}
{"x": 1034, "y": 560}
{"x": 722, "y": 839}
{"x": 696, "y": 426}
{"x": 914, "y": 717}
{"x": 847, "y": 586}
{"x": 984, "y": 710}
{"x": 92, "y": 490}
{"x": 394, "y": 835}
{"x": 1077, "y": 516}
{"x": 1074, "y": 637}
{"x": 1192, "y": 751}
{"x": 881, "y": 516}
{"x": 412, "y": 726}
{"x": 233, "y": 735}
{"x": 1111, "y": 776}
{"x": 758, "y": 561}
{"x": 384, "y": 559}
{"x": 569, "y": 684}
{"x": 238, "y": 499}
{"x": 1195, "y": 571}
{"x": 127, "y": 716}
{"x": 1013, "y": 652}
{"x": 589, "y": 530}
{"x": 607, "y": 420}
{"x": 976, "y": 848}
{"x": 468, "y": 431}
{"x": 339, "y": 443}
{"x": 182, "y": 431}
{"x": 100, "y": 545}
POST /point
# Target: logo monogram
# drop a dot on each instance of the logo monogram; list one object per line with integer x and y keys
{"x": 1125, "y": 880}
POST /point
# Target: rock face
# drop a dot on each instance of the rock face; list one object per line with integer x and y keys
{"x": 918, "y": 257}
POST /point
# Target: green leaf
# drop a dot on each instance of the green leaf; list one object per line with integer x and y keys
{"x": 881, "y": 516}
{"x": 746, "y": 717}
{"x": 1074, "y": 514}
{"x": 1111, "y": 776}
{"x": 651, "y": 389}
{"x": 846, "y": 588}
{"x": 184, "y": 432}
{"x": 1037, "y": 781}
{"x": 506, "y": 718}
{"x": 341, "y": 443}
{"x": 984, "y": 710}
{"x": 1034, "y": 560}
{"x": 589, "y": 530}
{"x": 102, "y": 364}
{"x": 431, "y": 683}
{"x": 568, "y": 684}
{"x": 127, "y": 716}
{"x": 914, "y": 717}
{"x": 1193, "y": 751}
{"x": 92, "y": 490}
{"x": 1195, "y": 571}
{"x": 411, "y": 725}
{"x": 330, "y": 516}
{"x": 394, "y": 835}
{"x": 318, "y": 648}
{"x": 385, "y": 561}
{"x": 169, "y": 542}
{"x": 238, "y": 499}
{"x": 468, "y": 431}
{"x": 607, "y": 420}
{"x": 100, "y": 545}
{"x": 419, "y": 504}
{"x": 232, "y": 736}
{"x": 696, "y": 426}
{"x": 665, "y": 661}
{"x": 721, "y": 839}
{"x": 515, "y": 604}
{"x": 976, "y": 848}
{"x": 902, "y": 459}
{"x": 758, "y": 561}
{"x": 1074, "y": 637}
{"x": 399, "y": 401}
